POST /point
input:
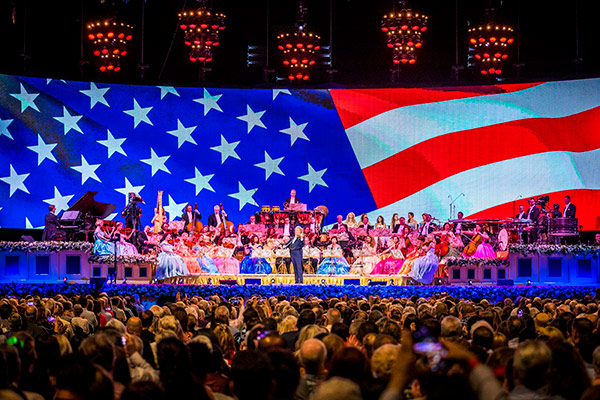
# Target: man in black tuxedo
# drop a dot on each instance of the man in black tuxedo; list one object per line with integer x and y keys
{"x": 569, "y": 211}
{"x": 339, "y": 223}
{"x": 217, "y": 217}
{"x": 533, "y": 214}
{"x": 188, "y": 216}
{"x": 399, "y": 228}
{"x": 521, "y": 214}
{"x": 51, "y": 224}
{"x": 291, "y": 200}
{"x": 427, "y": 227}
{"x": 295, "y": 245}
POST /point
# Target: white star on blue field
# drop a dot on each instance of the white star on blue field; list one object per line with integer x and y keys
{"x": 245, "y": 148}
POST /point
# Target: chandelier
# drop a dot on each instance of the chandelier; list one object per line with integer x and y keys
{"x": 488, "y": 48}
{"x": 109, "y": 43}
{"x": 201, "y": 29}
{"x": 298, "y": 48}
{"x": 404, "y": 30}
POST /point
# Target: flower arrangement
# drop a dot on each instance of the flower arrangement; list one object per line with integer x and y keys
{"x": 479, "y": 262}
{"x": 166, "y": 291}
{"x": 130, "y": 259}
{"x": 51, "y": 246}
{"x": 547, "y": 249}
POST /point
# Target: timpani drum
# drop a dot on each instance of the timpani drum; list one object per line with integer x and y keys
{"x": 564, "y": 227}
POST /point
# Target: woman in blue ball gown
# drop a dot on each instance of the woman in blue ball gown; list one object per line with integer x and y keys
{"x": 333, "y": 265}
{"x": 424, "y": 268}
{"x": 251, "y": 265}
{"x": 102, "y": 246}
{"x": 169, "y": 263}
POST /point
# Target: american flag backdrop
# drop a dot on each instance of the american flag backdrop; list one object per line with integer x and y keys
{"x": 377, "y": 151}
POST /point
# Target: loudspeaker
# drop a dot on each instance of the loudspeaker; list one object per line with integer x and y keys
{"x": 377, "y": 283}
{"x": 505, "y": 282}
{"x": 229, "y": 282}
{"x": 27, "y": 238}
{"x": 351, "y": 281}
{"x": 252, "y": 281}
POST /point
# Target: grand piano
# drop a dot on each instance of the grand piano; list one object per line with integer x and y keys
{"x": 80, "y": 219}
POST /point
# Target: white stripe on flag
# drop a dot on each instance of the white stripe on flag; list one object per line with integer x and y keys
{"x": 396, "y": 130}
{"x": 502, "y": 182}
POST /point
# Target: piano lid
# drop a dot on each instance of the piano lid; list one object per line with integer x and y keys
{"x": 86, "y": 203}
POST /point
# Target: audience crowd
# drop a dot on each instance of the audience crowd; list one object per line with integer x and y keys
{"x": 111, "y": 348}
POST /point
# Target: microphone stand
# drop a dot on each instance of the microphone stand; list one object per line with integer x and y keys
{"x": 452, "y": 206}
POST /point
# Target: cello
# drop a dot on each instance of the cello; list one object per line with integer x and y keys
{"x": 225, "y": 225}
{"x": 472, "y": 246}
{"x": 442, "y": 248}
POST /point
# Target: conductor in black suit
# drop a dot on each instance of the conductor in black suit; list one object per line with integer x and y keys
{"x": 295, "y": 245}
{"x": 569, "y": 211}
{"x": 51, "y": 224}
{"x": 340, "y": 223}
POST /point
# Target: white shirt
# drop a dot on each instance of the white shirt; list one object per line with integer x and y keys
{"x": 189, "y": 215}
{"x": 286, "y": 230}
{"x": 520, "y": 216}
{"x": 292, "y": 200}
{"x": 425, "y": 229}
{"x": 218, "y": 219}
{"x": 565, "y": 211}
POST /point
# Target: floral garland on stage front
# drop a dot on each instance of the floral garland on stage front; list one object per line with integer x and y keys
{"x": 150, "y": 293}
{"x": 478, "y": 262}
{"x": 45, "y": 246}
{"x": 548, "y": 249}
{"x": 130, "y": 259}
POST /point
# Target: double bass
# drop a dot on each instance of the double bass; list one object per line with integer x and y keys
{"x": 194, "y": 226}
{"x": 225, "y": 225}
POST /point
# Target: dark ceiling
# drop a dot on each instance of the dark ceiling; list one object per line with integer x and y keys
{"x": 547, "y": 40}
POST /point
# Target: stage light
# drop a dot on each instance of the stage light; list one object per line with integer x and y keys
{"x": 470, "y": 282}
{"x": 484, "y": 37}
{"x": 300, "y": 45}
{"x": 109, "y": 42}
{"x": 528, "y": 282}
{"x": 411, "y": 25}
{"x": 201, "y": 28}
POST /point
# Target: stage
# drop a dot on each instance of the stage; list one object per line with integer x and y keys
{"x": 53, "y": 262}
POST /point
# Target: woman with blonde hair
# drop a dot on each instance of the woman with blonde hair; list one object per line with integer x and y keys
{"x": 351, "y": 220}
{"x": 287, "y": 325}
{"x": 226, "y": 341}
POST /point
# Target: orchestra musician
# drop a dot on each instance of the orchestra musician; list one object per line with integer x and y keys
{"x": 569, "y": 211}
{"x": 291, "y": 200}
{"x": 399, "y": 227}
{"x": 217, "y": 217}
{"x": 252, "y": 220}
{"x": 339, "y": 223}
{"x": 597, "y": 239}
{"x": 555, "y": 211}
{"x": 412, "y": 222}
{"x": 364, "y": 223}
{"x": 51, "y": 224}
{"x": 532, "y": 214}
{"x": 521, "y": 214}
{"x": 426, "y": 226}
{"x": 132, "y": 212}
{"x": 188, "y": 216}
{"x": 295, "y": 245}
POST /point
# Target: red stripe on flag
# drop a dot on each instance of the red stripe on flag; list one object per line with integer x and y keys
{"x": 430, "y": 161}
{"x": 357, "y": 105}
{"x": 587, "y": 202}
